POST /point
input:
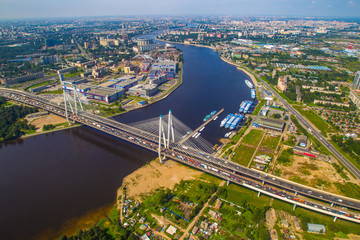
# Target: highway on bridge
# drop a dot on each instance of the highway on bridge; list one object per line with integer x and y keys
{"x": 263, "y": 183}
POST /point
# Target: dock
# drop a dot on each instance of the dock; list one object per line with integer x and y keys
{"x": 201, "y": 126}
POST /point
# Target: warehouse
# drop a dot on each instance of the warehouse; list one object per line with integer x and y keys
{"x": 316, "y": 228}
{"x": 269, "y": 123}
{"x": 143, "y": 90}
{"x": 165, "y": 66}
{"x": 98, "y": 93}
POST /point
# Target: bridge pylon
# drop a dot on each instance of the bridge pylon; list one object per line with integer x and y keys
{"x": 70, "y": 102}
{"x": 164, "y": 139}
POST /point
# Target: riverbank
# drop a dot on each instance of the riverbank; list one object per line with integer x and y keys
{"x": 71, "y": 226}
{"x": 40, "y": 121}
{"x": 253, "y": 79}
{"x": 155, "y": 175}
{"x": 190, "y": 44}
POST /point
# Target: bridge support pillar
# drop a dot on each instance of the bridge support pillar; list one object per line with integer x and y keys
{"x": 295, "y": 193}
{"x": 332, "y": 204}
{"x": 263, "y": 182}
{"x": 294, "y": 206}
{"x": 335, "y": 219}
{"x": 227, "y": 183}
{"x": 259, "y": 194}
{"x": 159, "y": 147}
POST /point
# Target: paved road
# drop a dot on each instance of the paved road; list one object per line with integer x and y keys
{"x": 305, "y": 123}
{"x": 208, "y": 163}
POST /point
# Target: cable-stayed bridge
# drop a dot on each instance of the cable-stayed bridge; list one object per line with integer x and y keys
{"x": 165, "y": 135}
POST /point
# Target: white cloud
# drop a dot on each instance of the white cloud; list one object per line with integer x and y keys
{"x": 351, "y": 3}
{"x": 313, "y": 2}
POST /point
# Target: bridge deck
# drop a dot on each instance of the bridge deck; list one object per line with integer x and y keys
{"x": 201, "y": 126}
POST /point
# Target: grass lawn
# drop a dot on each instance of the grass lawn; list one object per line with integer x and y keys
{"x": 253, "y": 137}
{"x": 316, "y": 120}
{"x": 243, "y": 154}
{"x": 349, "y": 189}
{"x": 347, "y": 155}
{"x": 37, "y": 85}
{"x": 308, "y": 216}
{"x": 210, "y": 178}
{"x": 270, "y": 142}
{"x": 237, "y": 194}
{"x": 258, "y": 107}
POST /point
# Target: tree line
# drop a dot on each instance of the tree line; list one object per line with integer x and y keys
{"x": 12, "y": 124}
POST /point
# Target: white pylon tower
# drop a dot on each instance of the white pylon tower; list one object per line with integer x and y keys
{"x": 68, "y": 101}
{"x": 163, "y": 139}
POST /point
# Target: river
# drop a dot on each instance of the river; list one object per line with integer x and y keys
{"x": 49, "y": 179}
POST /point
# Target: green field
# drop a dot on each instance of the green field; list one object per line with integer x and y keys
{"x": 253, "y": 137}
{"x": 243, "y": 154}
{"x": 347, "y": 155}
{"x": 316, "y": 120}
{"x": 270, "y": 142}
{"x": 349, "y": 189}
{"x": 308, "y": 216}
{"x": 237, "y": 194}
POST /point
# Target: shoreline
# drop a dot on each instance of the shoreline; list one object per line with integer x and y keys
{"x": 83, "y": 222}
{"x": 252, "y": 77}
{"x": 190, "y": 44}
{"x": 162, "y": 97}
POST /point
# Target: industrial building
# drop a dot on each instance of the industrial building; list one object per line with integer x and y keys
{"x": 305, "y": 152}
{"x": 124, "y": 82}
{"x": 269, "y": 123}
{"x": 165, "y": 66}
{"x": 159, "y": 79}
{"x": 96, "y": 92}
{"x": 143, "y": 90}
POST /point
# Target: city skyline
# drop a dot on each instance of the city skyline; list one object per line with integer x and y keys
{"x": 19, "y": 9}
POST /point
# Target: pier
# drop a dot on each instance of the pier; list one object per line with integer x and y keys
{"x": 201, "y": 126}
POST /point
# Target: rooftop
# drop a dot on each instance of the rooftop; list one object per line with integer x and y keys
{"x": 269, "y": 122}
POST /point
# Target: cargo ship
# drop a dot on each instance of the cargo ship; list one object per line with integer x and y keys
{"x": 209, "y": 116}
{"x": 225, "y": 120}
{"x": 248, "y": 106}
{"x": 249, "y": 84}
{"x": 253, "y": 93}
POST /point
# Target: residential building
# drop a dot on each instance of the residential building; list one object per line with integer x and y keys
{"x": 355, "y": 98}
{"x": 109, "y": 42}
{"x": 282, "y": 83}
{"x": 24, "y": 78}
{"x": 356, "y": 83}
{"x": 49, "y": 59}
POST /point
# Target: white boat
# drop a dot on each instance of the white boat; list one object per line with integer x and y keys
{"x": 249, "y": 84}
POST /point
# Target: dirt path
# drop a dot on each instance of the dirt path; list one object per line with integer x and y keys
{"x": 191, "y": 225}
{"x": 256, "y": 150}
{"x": 271, "y": 219}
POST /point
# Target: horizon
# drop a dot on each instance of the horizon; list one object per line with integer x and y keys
{"x": 41, "y": 9}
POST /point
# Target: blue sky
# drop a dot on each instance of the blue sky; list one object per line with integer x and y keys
{"x": 71, "y": 8}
